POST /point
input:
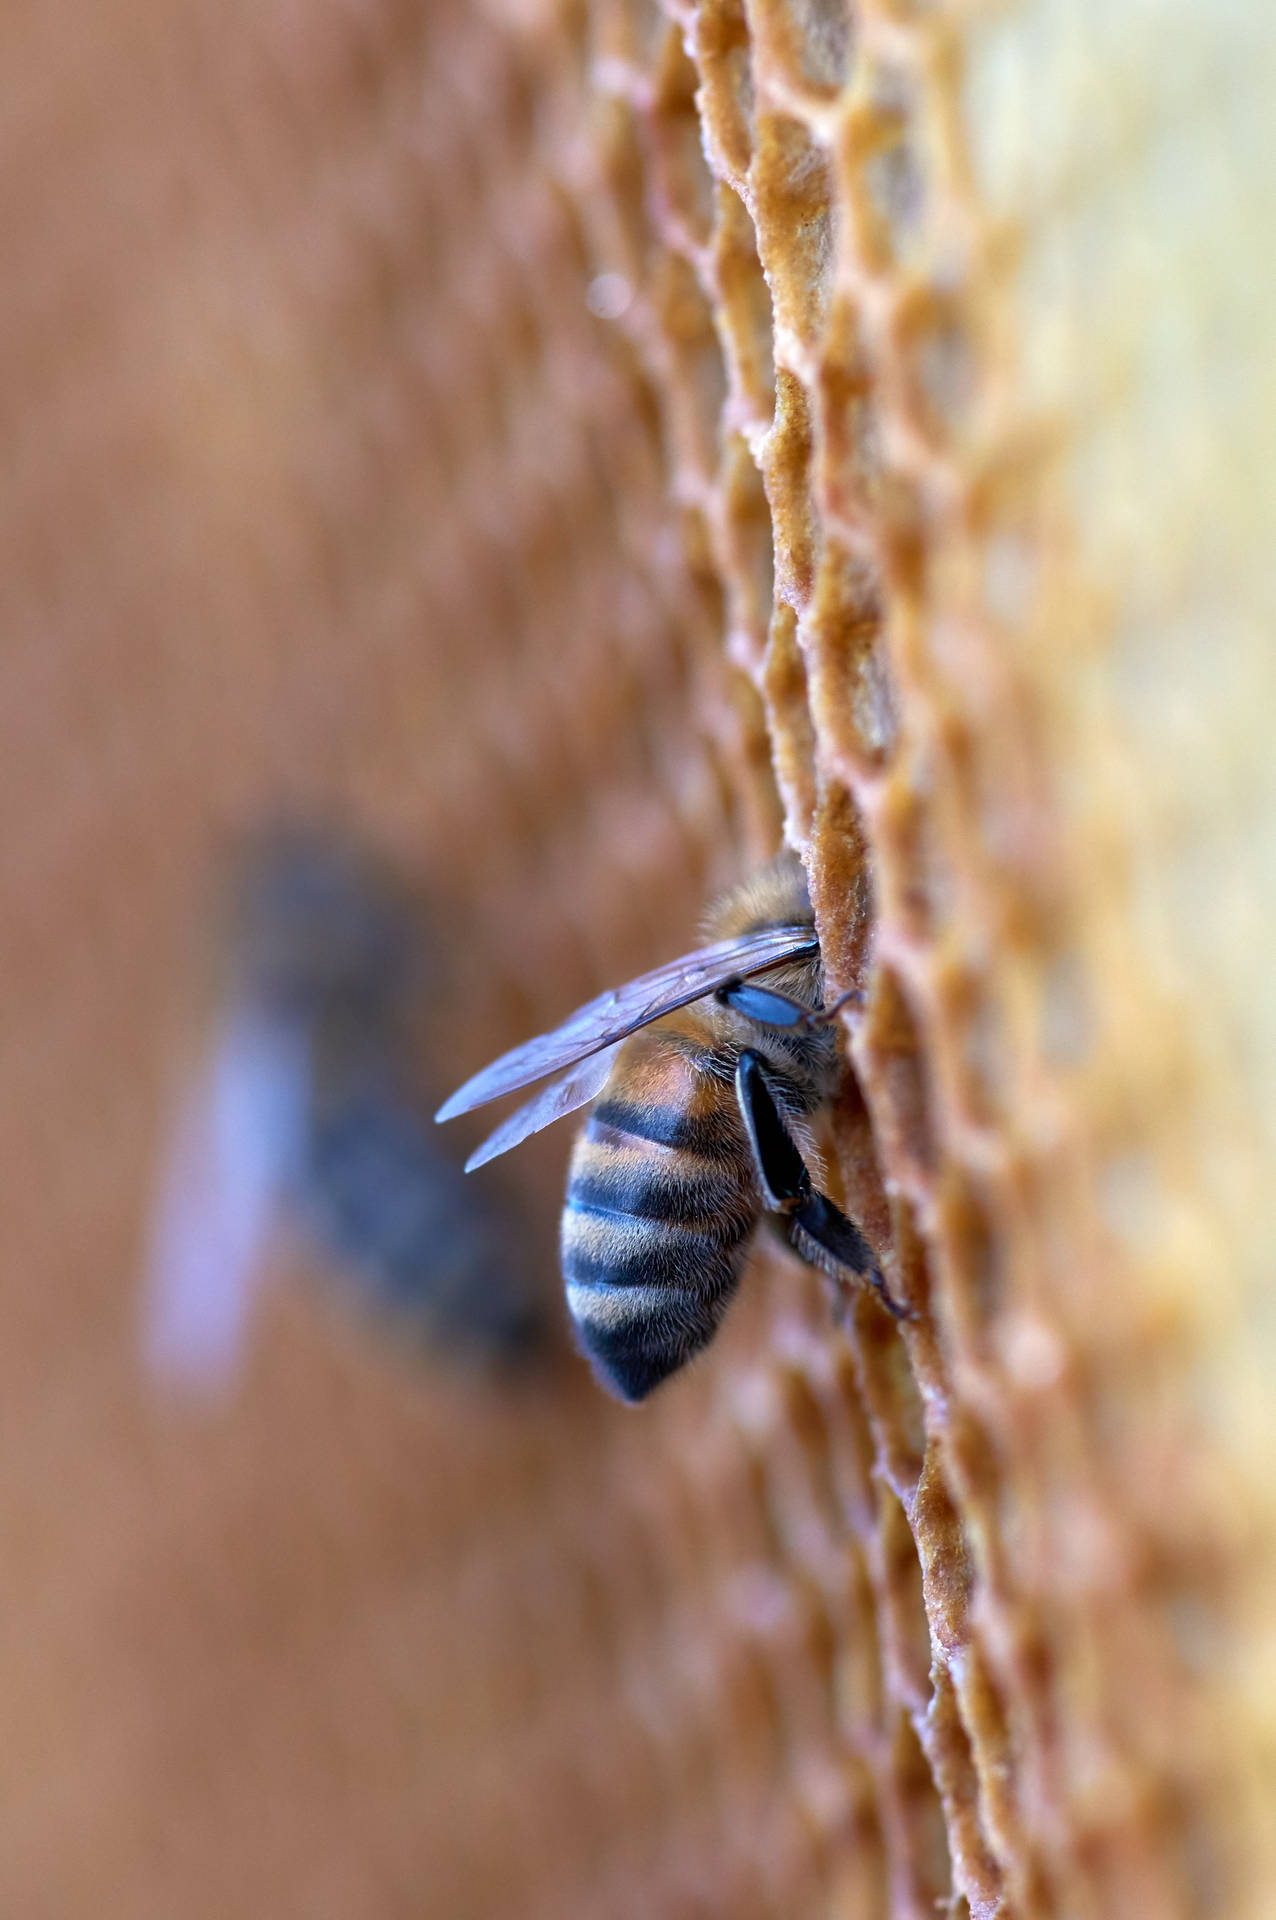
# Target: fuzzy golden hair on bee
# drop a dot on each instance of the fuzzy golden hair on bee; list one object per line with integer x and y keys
{"x": 702, "y": 1078}
{"x": 775, "y": 896}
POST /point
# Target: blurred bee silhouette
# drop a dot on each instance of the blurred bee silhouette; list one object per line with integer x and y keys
{"x": 704, "y": 1081}
{"x": 306, "y": 1115}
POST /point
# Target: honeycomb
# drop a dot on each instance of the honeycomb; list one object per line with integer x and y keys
{"x": 577, "y": 442}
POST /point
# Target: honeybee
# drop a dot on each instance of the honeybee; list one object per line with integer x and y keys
{"x": 704, "y": 1081}
{"x": 303, "y": 1114}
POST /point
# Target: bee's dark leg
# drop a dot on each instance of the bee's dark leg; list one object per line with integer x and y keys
{"x": 771, "y": 1009}
{"x": 815, "y": 1228}
{"x": 828, "y": 1014}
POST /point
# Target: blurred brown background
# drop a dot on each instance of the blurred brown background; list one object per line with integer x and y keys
{"x": 324, "y": 492}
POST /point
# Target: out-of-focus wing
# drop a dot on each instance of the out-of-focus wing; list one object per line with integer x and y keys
{"x": 624, "y": 1009}
{"x": 571, "y": 1090}
{"x": 231, "y": 1156}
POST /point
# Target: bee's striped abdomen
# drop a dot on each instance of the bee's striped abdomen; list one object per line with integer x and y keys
{"x": 659, "y": 1206}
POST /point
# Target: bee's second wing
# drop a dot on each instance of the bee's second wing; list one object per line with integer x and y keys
{"x": 623, "y": 1010}
{"x": 227, "y": 1166}
{"x": 571, "y": 1090}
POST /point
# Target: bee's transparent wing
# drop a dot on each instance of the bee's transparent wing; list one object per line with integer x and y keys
{"x": 571, "y": 1090}
{"x": 623, "y": 1010}
{"x": 231, "y": 1157}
